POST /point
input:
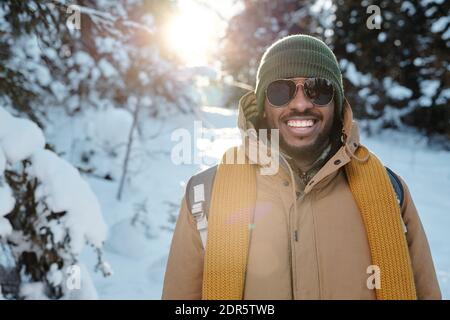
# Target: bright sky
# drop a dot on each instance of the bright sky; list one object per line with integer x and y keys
{"x": 193, "y": 34}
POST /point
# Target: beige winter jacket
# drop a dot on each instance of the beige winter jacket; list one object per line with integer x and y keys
{"x": 320, "y": 251}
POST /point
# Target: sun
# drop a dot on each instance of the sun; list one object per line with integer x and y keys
{"x": 192, "y": 35}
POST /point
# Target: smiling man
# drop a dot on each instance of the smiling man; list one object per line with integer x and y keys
{"x": 306, "y": 133}
{"x": 331, "y": 223}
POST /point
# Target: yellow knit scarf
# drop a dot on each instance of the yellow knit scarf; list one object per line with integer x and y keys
{"x": 234, "y": 198}
{"x": 228, "y": 231}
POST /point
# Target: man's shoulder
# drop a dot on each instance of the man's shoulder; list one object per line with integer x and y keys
{"x": 202, "y": 175}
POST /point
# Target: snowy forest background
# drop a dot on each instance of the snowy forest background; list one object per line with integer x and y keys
{"x": 91, "y": 92}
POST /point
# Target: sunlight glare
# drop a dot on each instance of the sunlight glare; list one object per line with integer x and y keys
{"x": 192, "y": 35}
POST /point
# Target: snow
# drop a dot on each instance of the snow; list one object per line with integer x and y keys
{"x": 382, "y": 37}
{"x": 106, "y": 44}
{"x": 418, "y": 62}
{"x": 59, "y": 90}
{"x": 5, "y": 227}
{"x": 6, "y": 199}
{"x": 425, "y": 3}
{"x": 107, "y": 69}
{"x": 395, "y": 90}
{"x": 446, "y": 34}
{"x": 82, "y": 58}
{"x": 4, "y": 26}
{"x": 64, "y": 190}
{"x": 2, "y": 161}
{"x": 85, "y": 289}
{"x": 137, "y": 237}
{"x": 55, "y": 276}
{"x": 353, "y": 75}
{"x": 428, "y": 88}
{"x": 441, "y": 24}
{"x": 350, "y": 47}
{"x": 408, "y": 7}
{"x": 138, "y": 255}
{"x": 19, "y": 138}
{"x": 111, "y": 127}
{"x": 43, "y": 75}
{"x": 33, "y": 291}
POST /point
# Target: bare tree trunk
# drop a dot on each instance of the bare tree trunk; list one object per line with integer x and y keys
{"x": 128, "y": 151}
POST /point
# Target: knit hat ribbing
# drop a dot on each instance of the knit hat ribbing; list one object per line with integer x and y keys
{"x": 298, "y": 56}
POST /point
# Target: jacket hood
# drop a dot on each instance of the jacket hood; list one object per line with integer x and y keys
{"x": 350, "y": 139}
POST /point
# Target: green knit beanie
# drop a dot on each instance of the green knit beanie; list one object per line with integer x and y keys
{"x": 298, "y": 56}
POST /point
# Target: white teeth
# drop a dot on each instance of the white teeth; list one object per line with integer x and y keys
{"x": 300, "y": 123}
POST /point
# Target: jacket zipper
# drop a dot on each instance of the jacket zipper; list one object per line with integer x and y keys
{"x": 292, "y": 255}
{"x": 293, "y": 230}
{"x": 293, "y": 237}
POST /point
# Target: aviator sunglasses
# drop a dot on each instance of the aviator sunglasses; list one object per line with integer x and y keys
{"x": 319, "y": 91}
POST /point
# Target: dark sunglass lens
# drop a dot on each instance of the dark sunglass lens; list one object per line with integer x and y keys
{"x": 319, "y": 91}
{"x": 280, "y": 92}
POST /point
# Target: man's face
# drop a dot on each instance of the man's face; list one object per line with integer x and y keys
{"x": 304, "y": 128}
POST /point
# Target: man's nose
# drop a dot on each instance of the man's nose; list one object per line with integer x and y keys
{"x": 300, "y": 102}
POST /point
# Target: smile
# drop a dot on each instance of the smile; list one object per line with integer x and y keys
{"x": 300, "y": 123}
{"x": 301, "y": 127}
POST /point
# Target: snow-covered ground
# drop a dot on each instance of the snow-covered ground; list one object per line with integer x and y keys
{"x": 138, "y": 253}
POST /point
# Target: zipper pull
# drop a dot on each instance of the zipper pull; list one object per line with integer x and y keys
{"x": 295, "y": 235}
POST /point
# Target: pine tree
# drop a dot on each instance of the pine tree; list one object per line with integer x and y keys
{"x": 93, "y": 56}
{"x": 114, "y": 52}
{"x": 398, "y": 72}
{"x": 47, "y": 215}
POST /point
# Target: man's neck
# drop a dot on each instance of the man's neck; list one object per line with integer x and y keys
{"x": 304, "y": 164}
{"x": 307, "y": 168}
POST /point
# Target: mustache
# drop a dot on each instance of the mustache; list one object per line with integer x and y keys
{"x": 307, "y": 113}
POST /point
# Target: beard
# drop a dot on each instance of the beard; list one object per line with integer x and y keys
{"x": 311, "y": 151}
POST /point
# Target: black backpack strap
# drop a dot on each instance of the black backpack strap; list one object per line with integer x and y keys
{"x": 205, "y": 177}
{"x": 198, "y": 198}
{"x": 398, "y": 187}
{"x": 399, "y": 191}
